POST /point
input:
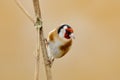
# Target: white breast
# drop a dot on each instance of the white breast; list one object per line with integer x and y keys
{"x": 53, "y": 49}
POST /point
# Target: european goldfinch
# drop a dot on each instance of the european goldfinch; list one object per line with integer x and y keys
{"x": 59, "y": 41}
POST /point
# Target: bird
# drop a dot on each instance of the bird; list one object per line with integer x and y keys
{"x": 59, "y": 41}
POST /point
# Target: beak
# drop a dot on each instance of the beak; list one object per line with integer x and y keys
{"x": 72, "y": 36}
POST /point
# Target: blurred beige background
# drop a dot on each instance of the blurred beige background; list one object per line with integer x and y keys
{"x": 95, "y": 54}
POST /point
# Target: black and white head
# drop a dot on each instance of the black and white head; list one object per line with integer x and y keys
{"x": 66, "y": 32}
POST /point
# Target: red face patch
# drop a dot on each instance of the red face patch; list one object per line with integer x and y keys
{"x": 70, "y": 30}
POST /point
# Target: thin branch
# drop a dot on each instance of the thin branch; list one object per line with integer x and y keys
{"x": 42, "y": 39}
{"x": 37, "y": 62}
{"x": 37, "y": 8}
{"x": 24, "y": 11}
{"x": 45, "y": 56}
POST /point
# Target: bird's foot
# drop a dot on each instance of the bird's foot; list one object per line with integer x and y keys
{"x": 46, "y": 42}
{"x": 50, "y": 62}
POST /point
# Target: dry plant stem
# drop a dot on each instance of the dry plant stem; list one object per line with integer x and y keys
{"x": 24, "y": 11}
{"x": 42, "y": 40}
{"x": 37, "y": 8}
{"x": 45, "y": 56}
{"x": 37, "y": 62}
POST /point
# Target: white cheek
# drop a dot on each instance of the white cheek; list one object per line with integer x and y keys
{"x": 62, "y": 32}
{"x": 65, "y": 27}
